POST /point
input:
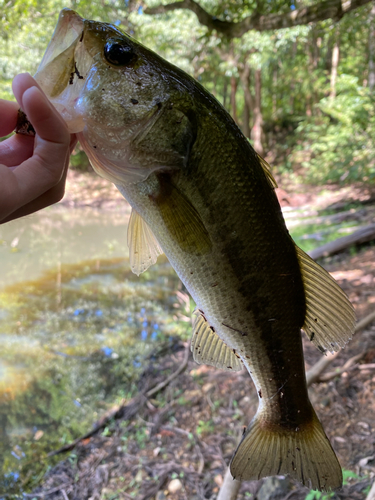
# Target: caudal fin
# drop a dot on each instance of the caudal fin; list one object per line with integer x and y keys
{"x": 304, "y": 453}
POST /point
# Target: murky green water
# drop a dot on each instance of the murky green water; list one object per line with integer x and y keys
{"x": 75, "y": 326}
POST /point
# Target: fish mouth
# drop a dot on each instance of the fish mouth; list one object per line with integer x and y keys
{"x": 58, "y": 70}
{"x": 68, "y": 31}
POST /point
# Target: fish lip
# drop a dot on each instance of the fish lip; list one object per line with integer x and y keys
{"x": 69, "y": 27}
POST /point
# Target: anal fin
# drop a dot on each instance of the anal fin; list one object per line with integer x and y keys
{"x": 208, "y": 348}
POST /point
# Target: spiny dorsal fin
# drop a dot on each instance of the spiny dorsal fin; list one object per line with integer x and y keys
{"x": 208, "y": 348}
{"x": 267, "y": 171}
{"x": 330, "y": 318}
{"x": 143, "y": 247}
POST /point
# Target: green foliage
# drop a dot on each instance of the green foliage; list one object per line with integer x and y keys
{"x": 205, "y": 427}
{"x": 338, "y": 144}
{"x": 318, "y": 495}
{"x": 348, "y": 474}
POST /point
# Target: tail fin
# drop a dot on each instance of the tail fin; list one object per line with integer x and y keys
{"x": 304, "y": 453}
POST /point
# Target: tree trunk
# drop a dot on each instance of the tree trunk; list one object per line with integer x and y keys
{"x": 249, "y": 102}
{"x": 334, "y": 66}
{"x": 313, "y": 45}
{"x": 292, "y": 85}
{"x": 257, "y": 130}
{"x": 233, "y": 91}
{"x": 371, "y": 46}
{"x": 274, "y": 90}
{"x": 225, "y": 92}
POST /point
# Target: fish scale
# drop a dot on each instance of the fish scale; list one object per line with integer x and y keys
{"x": 200, "y": 193}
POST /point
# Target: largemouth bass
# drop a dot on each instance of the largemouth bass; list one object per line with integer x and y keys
{"x": 201, "y": 194}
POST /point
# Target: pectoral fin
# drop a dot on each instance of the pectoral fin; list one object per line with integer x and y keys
{"x": 181, "y": 219}
{"x": 143, "y": 246}
{"x": 208, "y": 348}
{"x": 330, "y": 318}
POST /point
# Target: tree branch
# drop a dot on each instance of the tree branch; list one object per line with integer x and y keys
{"x": 328, "y": 9}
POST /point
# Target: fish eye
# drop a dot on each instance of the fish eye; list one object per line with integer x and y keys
{"x": 118, "y": 54}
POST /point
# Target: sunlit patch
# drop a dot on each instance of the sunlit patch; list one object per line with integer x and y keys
{"x": 13, "y": 380}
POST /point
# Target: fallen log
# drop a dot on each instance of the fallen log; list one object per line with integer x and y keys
{"x": 362, "y": 235}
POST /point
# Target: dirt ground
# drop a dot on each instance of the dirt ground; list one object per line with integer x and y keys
{"x": 178, "y": 443}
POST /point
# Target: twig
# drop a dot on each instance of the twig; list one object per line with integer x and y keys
{"x": 201, "y": 459}
{"x": 64, "y": 495}
{"x": 125, "y": 411}
{"x": 315, "y": 371}
{"x": 171, "y": 377}
{"x": 289, "y": 495}
{"x": 349, "y": 365}
{"x": 49, "y": 492}
{"x": 365, "y": 321}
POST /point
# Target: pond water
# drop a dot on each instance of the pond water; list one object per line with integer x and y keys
{"x": 75, "y": 327}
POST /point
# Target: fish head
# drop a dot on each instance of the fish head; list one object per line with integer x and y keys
{"x": 118, "y": 96}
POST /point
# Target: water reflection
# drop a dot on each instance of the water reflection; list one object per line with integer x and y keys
{"x": 73, "y": 339}
{"x": 56, "y": 236}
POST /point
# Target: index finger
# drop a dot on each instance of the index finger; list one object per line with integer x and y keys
{"x": 8, "y": 117}
{"x": 51, "y": 148}
{"x": 46, "y": 121}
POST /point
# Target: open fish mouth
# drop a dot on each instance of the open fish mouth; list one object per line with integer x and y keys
{"x": 68, "y": 31}
{"x": 61, "y": 74}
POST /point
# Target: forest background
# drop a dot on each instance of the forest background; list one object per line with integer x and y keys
{"x": 304, "y": 94}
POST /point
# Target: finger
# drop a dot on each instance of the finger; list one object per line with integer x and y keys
{"x": 20, "y": 84}
{"x": 53, "y": 195}
{"x": 16, "y": 149}
{"x": 46, "y": 121}
{"x": 45, "y": 168}
{"x": 8, "y": 113}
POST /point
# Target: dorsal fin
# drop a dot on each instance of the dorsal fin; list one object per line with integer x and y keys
{"x": 143, "y": 246}
{"x": 267, "y": 171}
{"x": 330, "y": 318}
{"x": 208, "y": 348}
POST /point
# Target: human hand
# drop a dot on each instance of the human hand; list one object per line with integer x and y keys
{"x": 32, "y": 169}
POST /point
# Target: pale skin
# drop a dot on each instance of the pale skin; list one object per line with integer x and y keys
{"x": 32, "y": 169}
